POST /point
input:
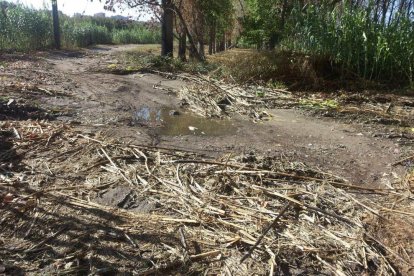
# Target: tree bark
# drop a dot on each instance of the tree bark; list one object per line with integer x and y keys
{"x": 193, "y": 48}
{"x": 167, "y": 29}
{"x": 212, "y": 40}
{"x": 182, "y": 47}
{"x": 222, "y": 44}
{"x": 56, "y": 27}
{"x": 201, "y": 48}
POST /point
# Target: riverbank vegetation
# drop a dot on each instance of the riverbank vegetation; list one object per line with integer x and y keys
{"x": 24, "y": 29}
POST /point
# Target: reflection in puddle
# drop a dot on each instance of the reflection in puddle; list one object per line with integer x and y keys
{"x": 169, "y": 123}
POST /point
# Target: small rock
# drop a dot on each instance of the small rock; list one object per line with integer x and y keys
{"x": 191, "y": 128}
{"x": 10, "y": 102}
{"x": 174, "y": 113}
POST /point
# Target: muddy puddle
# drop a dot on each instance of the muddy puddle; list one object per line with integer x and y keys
{"x": 171, "y": 122}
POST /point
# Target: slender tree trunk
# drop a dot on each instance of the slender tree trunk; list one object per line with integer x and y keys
{"x": 391, "y": 13}
{"x": 56, "y": 27}
{"x": 385, "y": 5}
{"x": 182, "y": 48}
{"x": 201, "y": 48}
{"x": 167, "y": 29}
{"x": 222, "y": 44}
{"x": 193, "y": 47}
{"x": 212, "y": 38}
{"x": 215, "y": 42}
{"x": 192, "y": 54}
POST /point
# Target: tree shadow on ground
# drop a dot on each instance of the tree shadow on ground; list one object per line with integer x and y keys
{"x": 58, "y": 236}
{"x": 19, "y": 112}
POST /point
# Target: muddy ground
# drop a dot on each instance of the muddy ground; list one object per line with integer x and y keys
{"x": 357, "y": 146}
{"x": 139, "y": 107}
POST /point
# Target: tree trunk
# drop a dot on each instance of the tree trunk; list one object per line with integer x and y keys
{"x": 167, "y": 29}
{"x": 182, "y": 48}
{"x": 210, "y": 47}
{"x": 222, "y": 44}
{"x": 212, "y": 40}
{"x": 56, "y": 28}
{"x": 193, "y": 48}
{"x": 201, "y": 48}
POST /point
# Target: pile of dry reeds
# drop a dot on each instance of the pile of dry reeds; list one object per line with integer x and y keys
{"x": 238, "y": 215}
{"x": 212, "y": 98}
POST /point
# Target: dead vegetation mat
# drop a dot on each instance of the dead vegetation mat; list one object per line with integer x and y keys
{"x": 235, "y": 215}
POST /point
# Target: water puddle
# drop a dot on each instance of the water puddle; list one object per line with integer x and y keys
{"x": 170, "y": 122}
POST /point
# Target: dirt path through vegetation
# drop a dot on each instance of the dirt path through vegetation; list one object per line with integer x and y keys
{"x": 114, "y": 105}
{"x": 113, "y": 170}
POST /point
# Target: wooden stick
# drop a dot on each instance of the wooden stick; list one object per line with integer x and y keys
{"x": 273, "y": 224}
{"x": 403, "y": 160}
{"x": 205, "y": 255}
{"x": 33, "y": 248}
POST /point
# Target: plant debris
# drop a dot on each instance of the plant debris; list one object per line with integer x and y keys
{"x": 207, "y": 213}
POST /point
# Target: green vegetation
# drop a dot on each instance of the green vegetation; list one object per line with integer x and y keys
{"x": 370, "y": 40}
{"x": 145, "y": 58}
{"x": 137, "y": 35}
{"x": 26, "y": 29}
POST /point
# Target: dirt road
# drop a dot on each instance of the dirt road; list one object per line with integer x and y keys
{"x": 118, "y": 178}
{"x": 137, "y": 108}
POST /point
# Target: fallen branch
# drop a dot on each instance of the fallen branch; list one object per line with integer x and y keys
{"x": 272, "y": 225}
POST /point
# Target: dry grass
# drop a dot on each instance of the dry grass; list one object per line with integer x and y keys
{"x": 274, "y": 67}
{"x": 206, "y": 213}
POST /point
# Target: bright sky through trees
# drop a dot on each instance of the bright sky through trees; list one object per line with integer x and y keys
{"x": 86, "y": 7}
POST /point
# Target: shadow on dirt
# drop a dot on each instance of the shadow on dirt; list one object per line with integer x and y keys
{"x": 16, "y": 111}
{"x": 12, "y": 56}
{"x": 63, "y": 54}
{"x": 58, "y": 239}
{"x": 8, "y": 156}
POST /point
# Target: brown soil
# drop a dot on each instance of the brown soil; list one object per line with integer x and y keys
{"x": 145, "y": 109}
{"x": 106, "y": 103}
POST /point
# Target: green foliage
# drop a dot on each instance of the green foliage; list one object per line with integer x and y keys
{"x": 263, "y": 23}
{"x": 142, "y": 59}
{"x": 354, "y": 38}
{"x": 137, "y": 35}
{"x": 26, "y": 29}
{"x": 217, "y": 13}
{"x": 83, "y": 34}
{"x": 362, "y": 47}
